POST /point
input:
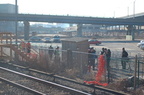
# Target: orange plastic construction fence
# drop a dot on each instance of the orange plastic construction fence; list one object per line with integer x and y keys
{"x": 100, "y": 72}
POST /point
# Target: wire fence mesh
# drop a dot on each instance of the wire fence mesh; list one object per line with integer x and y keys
{"x": 75, "y": 64}
{"x": 78, "y": 62}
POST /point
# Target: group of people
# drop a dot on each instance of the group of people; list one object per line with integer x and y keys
{"x": 26, "y": 47}
{"x": 107, "y": 54}
{"x": 92, "y": 56}
{"x": 55, "y": 52}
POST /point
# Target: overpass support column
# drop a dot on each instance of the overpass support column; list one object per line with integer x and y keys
{"x": 79, "y": 30}
{"x": 133, "y": 33}
{"x": 26, "y": 30}
{"x": 130, "y": 31}
{"x": 138, "y": 30}
{"x": 119, "y": 28}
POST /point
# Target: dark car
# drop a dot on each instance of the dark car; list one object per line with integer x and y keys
{"x": 46, "y": 40}
{"x": 94, "y": 41}
{"x": 56, "y": 39}
{"x": 35, "y": 38}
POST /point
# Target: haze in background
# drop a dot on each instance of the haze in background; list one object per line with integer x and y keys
{"x": 96, "y": 8}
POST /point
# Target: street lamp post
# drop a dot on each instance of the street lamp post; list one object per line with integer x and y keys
{"x": 134, "y": 9}
{"x": 128, "y": 11}
{"x": 114, "y": 14}
{"x": 133, "y": 18}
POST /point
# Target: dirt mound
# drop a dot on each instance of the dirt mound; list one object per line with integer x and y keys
{"x": 119, "y": 85}
{"x": 139, "y": 91}
{"x": 124, "y": 86}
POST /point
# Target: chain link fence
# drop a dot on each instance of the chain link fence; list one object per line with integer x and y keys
{"x": 75, "y": 63}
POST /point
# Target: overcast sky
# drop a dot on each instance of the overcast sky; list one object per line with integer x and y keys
{"x": 96, "y": 8}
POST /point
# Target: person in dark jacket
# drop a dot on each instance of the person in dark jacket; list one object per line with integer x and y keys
{"x": 108, "y": 57}
{"x": 28, "y": 45}
{"x": 51, "y": 52}
{"x": 92, "y": 56}
{"x": 124, "y": 58}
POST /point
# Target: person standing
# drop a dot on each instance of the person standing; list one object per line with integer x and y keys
{"x": 28, "y": 45}
{"x": 23, "y": 45}
{"x": 93, "y": 52}
{"x": 57, "y": 54}
{"x": 91, "y": 56}
{"x": 51, "y": 51}
{"x": 108, "y": 57}
{"x": 124, "y": 58}
{"x": 103, "y": 50}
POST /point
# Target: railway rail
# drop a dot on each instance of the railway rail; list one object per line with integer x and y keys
{"x": 19, "y": 86}
{"x": 37, "y": 84}
{"x": 65, "y": 81}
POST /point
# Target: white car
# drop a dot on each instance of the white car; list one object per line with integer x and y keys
{"x": 141, "y": 44}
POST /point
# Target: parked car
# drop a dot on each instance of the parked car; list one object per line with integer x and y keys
{"x": 47, "y": 40}
{"x": 94, "y": 41}
{"x": 141, "y": 44}
{"x": 56, "y": 39}
{"x": 35, "y": 38}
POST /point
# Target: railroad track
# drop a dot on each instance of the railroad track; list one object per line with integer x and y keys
{"x": 35, "y": 85}
{"x": 17, "y": 88}
{"x": 95, "y": 90}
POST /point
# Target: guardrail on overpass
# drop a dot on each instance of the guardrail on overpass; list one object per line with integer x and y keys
{"x": 70, "y": 19}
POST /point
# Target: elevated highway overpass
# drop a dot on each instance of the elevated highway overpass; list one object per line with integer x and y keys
{"x": 128, "y": 20}
{"x": 71, "y": 19}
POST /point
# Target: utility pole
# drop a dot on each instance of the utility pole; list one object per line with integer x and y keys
{"x": 133, "y": 34}
{"x": 134, "y": 9}
{"x": 114, "y": 14}
{"x": 128, "y": 11}
{"x": 16, "y": 21}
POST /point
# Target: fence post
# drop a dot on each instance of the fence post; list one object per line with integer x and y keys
{"x": 69, "y": 58}
{"x": 138, "y": 71}
{"x": 135, "y": 72}
{"x": 143, "y": 66}
{"x": 108, "y": 70}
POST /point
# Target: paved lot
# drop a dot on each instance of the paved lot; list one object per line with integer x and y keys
{"x": 116, "y": 45}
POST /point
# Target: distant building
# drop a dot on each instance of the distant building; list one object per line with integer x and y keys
{"x": 91, "y": 28}
{"x": 71, "y": 28}
{"x": 7, "y": 26}
{"x": 86, "y": 29}
{"x": 7, "y": 8}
